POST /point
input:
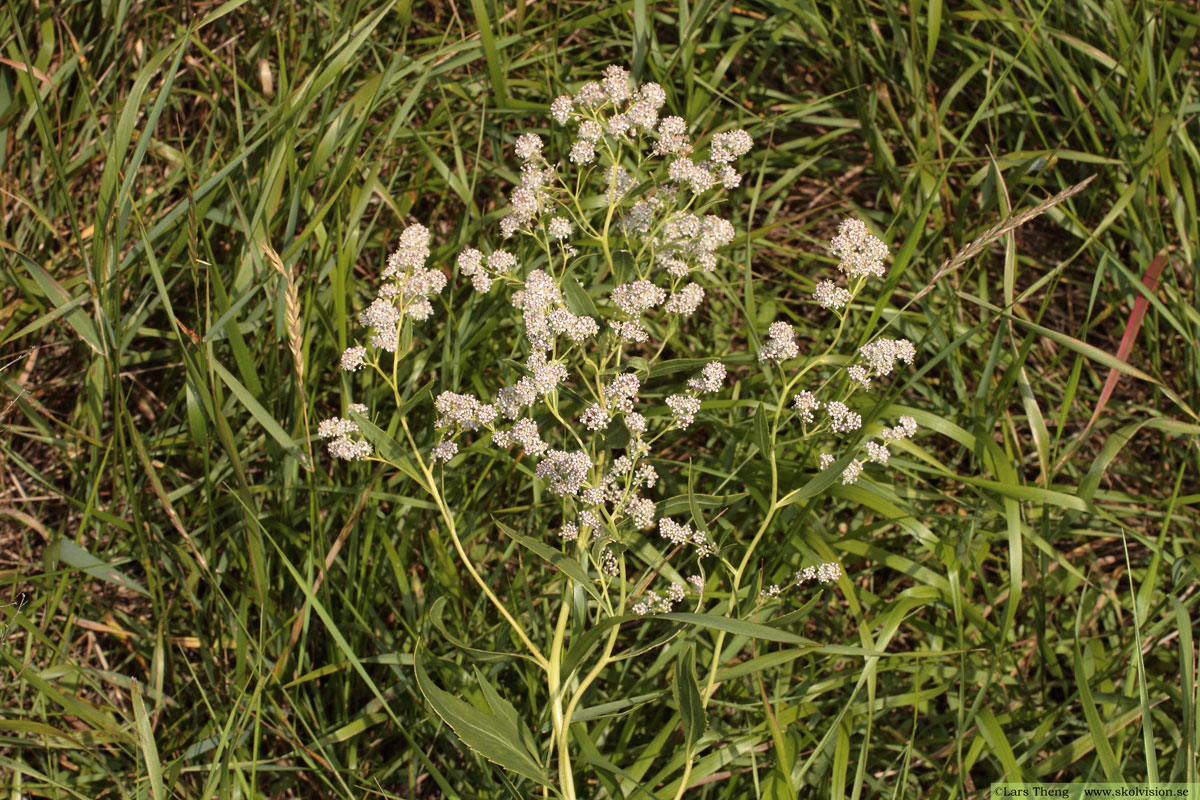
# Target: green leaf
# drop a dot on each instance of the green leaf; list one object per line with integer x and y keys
{"x": 568, "y": 565}
{"x": 578, "y": 300}
{"x": 689, "y": 502}
{"x": 762, "y": 431}
{"x": 687, "y": 697}
{"x": 736, "y": 626}
{"x": 582, "y": 645}
{"x": 993, "y": 734}
{"x": 73, "y": 555}
{"x": 260, "y": 414}
{"x": 148, "y": 747}
{"x": 435, "y": 614}
{"x": 1108, "y": 760}
{"x": 66, "y": 305}
{"x": 495, "y": 735}
{"x": 388, "y": 448}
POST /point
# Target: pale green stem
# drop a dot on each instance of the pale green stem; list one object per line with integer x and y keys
{"x": 683, "y": 782}
{"x": 431, "y": 487}
{"x": 554, "y": 684}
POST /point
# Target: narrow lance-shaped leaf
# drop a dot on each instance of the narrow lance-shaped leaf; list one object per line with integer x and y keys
{"x": 495, "y": 735}
{"x": 687, "y": 697}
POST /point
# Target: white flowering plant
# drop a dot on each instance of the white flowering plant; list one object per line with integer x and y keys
{"x": 606, "y": 257}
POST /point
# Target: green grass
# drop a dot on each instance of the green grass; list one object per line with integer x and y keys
{"x": 199, "y": 608}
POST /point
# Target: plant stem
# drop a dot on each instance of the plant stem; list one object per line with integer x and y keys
{"x": 449, "y": 520}
{"x": 554, "y": 683}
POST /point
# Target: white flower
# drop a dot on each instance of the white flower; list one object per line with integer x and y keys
{"x": 546, "y": 375}
{"x": 841, "y": 418}
{"x": 619, "y": 180}
{"x": 470, "y": 261}
{"x": 683, "y": 409}
{"x": 635, "y": 422}
{"x": 590, "y": 94}
{"x": 540, "y": 294}
{"x": 641, "y": 511}
{"x": 529, "y": 146}
{"x": 630, "y": 331}
{"x": 646, "y": 475}
{"x": 638, "y": 297}
{"x": 595, "y": 418}
{"x": 805, "y": 404}
{"x": 561, "y": 108}
{"x": 673, "y": 138}
{"x": 582, "y": 152}
{"x": 652, "y": 94}
{"x": 825, "y": 573}
{"x": 336, "y": 426}
{"x": 831, "y": 296}
{"x": 559, "y": 228}
{"x": 729, "y": 177}
{"x": 729, "y": 145}
{"x": 523, "y": 433}
{"x": 781, "y": 344}
{"x": 577, "y": 329}
{"x": 565, "y": 472}
{"x": 675, "y": 533}
{"x": 462, "y": 411}
{"x": 906, "y": 426}
{"x": 710, "y": 379}
{"x": 616, "y": 83}
{"x": 348, "y": 449}
{"x": 352, "y": 358}
{"x": 850, "y": 474}
{"x": 342, "y": 445}
{"x": 860, "y": 252}
{"x": 622, "y": 391}
{"x": 443, "y": 451}
{"x": 882, "y": 354}
{"x": 685, "y": 301}
{"x": 877, "y": 453}
{"x": 828, "y": 573}
{"x": 380, "y": 315}
{"x": 590, "y": 130}
{"x": 643, "y": 115}
{"x": 608, "y": 562}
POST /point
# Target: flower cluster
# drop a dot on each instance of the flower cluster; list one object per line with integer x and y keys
{"x": 780, "y": 345}
{"x": 841, "y": 418}
{"x": 683, "y": 535}
{"x": 860, "y": 252}
{"x": 876, "y": 452}
{"x": 882, "y": 354}
{"x": 805, "y": 404}
{"x": 825, "y": 573}
{"x": 564, "y": 472}
{"x": 710, "y": 379}
{"x": 653, "y": 603}
{"x": 622, "y": 141}
{"x": 344, "y": 436}
{"x": 405, "y": 294}
{"x": 861, "y": 256}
